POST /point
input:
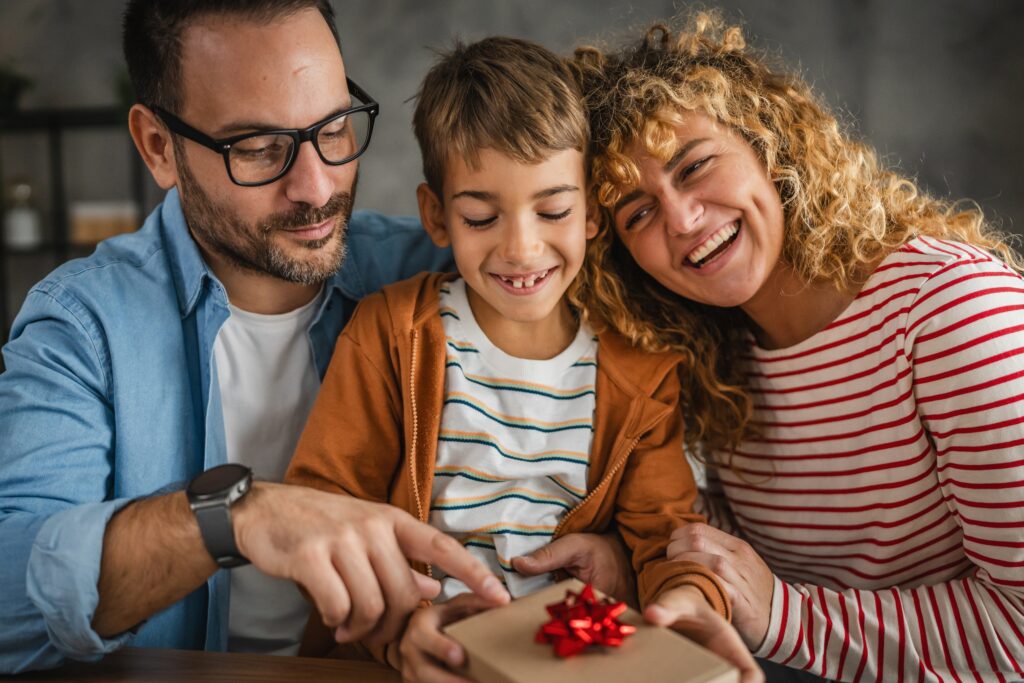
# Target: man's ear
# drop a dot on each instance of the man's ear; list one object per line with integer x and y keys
{"x": 153, "y": 141}
{"x": 432, "y": 215}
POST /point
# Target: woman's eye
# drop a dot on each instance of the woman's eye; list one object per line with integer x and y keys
{"x": 556, "y": 216}
{"x": 636, "y": 218}
{"x": 694, "y": 167}
{"x": 477, "y": 223}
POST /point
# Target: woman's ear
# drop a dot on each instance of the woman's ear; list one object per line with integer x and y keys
{"x": 432, "y": 215}
{"x": 155, "y": 146}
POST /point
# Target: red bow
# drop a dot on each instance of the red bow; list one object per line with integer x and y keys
{"x": 582, "y": 620}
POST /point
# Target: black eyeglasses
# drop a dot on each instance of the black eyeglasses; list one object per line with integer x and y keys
{"x": 264, "y": 156}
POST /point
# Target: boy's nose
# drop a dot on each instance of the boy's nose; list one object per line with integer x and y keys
{"x": 522, "y": 243}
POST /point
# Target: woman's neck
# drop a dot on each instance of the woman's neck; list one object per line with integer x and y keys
{"x": 788, "y": 310}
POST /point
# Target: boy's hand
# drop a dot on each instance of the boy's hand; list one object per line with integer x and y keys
{"x": 427, "y": 654}
{"x": 684, "y": 609}
{"x": 598, "y": 559}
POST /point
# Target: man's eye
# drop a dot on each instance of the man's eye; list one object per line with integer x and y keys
{"x": 258, "y": 148}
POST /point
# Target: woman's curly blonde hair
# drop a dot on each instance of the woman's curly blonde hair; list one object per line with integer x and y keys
{"x": 843, "y": 211}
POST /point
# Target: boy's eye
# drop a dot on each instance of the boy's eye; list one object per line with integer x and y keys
{"x": 477, "y": 223}
{"x": 555, "y": 216}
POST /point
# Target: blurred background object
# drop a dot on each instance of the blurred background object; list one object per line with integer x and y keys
{"x": 937, "y": 87}
{"x": 23, "y": 227}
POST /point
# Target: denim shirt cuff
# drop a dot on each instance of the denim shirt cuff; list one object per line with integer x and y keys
{"x": 63, "y": 574}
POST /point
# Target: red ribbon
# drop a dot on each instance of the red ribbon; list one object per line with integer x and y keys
{"x": 582, "y": 620}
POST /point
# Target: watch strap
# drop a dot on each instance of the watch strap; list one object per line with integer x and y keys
{"x": 219, "y": 535}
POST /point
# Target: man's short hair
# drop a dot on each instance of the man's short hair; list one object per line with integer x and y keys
{"x": 152, "y": 38}
{"x": 506, "y": 94}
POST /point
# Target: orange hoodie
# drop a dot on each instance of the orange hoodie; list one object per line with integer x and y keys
{"x": 373, "y": 433}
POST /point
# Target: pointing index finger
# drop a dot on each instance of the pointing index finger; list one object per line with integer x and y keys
{"x": 424, "y": 543}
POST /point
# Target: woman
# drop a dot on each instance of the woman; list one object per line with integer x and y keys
{"x": 855, "y": 352}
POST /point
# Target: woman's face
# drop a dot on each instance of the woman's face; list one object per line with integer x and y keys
{"x": 707, "y": 224}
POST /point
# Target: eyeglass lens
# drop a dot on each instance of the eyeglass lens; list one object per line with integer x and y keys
{"x": 262, "y": 157}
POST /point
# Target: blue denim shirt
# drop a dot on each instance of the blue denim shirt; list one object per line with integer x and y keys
{"x": 107, "y": 397}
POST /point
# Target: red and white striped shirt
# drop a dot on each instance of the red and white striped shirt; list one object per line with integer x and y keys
{"x": 886, "y": 486}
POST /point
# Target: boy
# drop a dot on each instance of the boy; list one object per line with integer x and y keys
{"x": 482, "y": 403}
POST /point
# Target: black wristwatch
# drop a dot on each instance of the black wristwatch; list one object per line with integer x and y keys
{"x": 211, "y": 495}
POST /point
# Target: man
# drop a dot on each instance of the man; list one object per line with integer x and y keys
{"x": 200, "y": 341}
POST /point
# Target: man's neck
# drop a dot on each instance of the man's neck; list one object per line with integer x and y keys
{"x": 258, "y": 292}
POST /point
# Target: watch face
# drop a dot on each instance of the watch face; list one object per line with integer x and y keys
{"x": 217, "y": 480}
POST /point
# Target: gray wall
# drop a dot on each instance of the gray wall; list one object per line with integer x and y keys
{"x": 936, "y": 85}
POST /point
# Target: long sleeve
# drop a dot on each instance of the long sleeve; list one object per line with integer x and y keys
{"x": 352, "y": 442}
{"x": 655, "y": 496}
{"x": 964, "y": 340}
{"x": 56, "y": 430}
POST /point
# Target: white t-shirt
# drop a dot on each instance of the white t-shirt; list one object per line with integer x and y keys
{"x": 514, "y": 444}
{"x": 268, "y": 383}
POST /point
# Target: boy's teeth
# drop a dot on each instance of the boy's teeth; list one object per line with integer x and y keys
{"x": 520, "y": 282}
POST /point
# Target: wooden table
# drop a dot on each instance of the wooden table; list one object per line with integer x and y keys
{"x": 136, "y": 665}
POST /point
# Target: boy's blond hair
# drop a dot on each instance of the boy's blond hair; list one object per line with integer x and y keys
{"x": 506, "y": 94}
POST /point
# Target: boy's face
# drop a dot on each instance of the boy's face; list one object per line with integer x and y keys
{"x": 518, "y": 231}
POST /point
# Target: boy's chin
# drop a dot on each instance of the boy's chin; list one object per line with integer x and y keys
{"x": 526, "y": 311}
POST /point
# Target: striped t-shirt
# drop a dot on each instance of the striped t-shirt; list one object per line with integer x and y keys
{"x": 514, "y": 444}
{"x": 886, "y": 486}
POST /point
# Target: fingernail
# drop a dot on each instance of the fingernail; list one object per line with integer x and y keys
{"x": 494, "y": 587}
{"x": 453, "y": 656}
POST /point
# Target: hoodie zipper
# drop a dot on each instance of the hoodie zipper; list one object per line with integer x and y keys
{"x": 415, "y": 432}
{"x": 602, "y": 484}
{"x": 415, "y": 439}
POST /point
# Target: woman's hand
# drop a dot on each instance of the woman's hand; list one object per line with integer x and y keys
{"x": 684, "y": 609}
{"x": 598, "y": 559}
{"x": 748, "y": 580}
{"x": 426, "y": 654}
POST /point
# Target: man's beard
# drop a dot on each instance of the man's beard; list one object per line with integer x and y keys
{"x": 252, "y": 248}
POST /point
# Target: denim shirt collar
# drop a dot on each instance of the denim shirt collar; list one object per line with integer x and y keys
{"x": 191, "y": 273}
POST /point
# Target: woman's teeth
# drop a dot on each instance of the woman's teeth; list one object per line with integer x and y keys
{"x": 715, "y": 241}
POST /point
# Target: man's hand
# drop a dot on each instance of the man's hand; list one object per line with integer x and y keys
{"x": 748, "y": 579}
{"x": 426, "y": 654}
{"x": 684, "y": 609}
{"x": 598, "y": 559}
{"x": 350, "y": 557}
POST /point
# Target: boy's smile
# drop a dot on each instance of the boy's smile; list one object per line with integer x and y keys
{"x": 519, "y": 233}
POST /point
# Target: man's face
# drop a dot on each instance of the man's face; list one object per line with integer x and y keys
{"x": 240, "y": 77}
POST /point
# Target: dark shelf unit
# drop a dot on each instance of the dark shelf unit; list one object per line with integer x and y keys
{"x": 54, "y": 122}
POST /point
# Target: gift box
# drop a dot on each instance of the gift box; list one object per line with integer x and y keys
{"x": 501, "y": 648}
